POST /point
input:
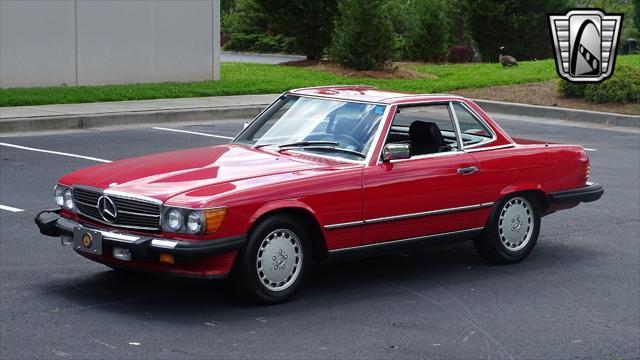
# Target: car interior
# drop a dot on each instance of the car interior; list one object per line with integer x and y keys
{"x": 429, "y": 129}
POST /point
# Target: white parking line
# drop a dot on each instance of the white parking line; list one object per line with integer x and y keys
{"x": 55, "y": 152}
{"x": 10, "y": 208}
{"x": 590, "y": 149}
{"x": 194, "y": 133}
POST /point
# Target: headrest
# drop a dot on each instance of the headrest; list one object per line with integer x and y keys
{"x": 426, "y": 132}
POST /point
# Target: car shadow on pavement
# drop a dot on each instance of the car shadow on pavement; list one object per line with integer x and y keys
{"x": 178, "y": 300}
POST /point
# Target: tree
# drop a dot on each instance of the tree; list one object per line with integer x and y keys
{"x": 519, "y": 25}
{"x": 429, "y": 35}
{"x": 244, "y": 17}
{"x": 363, "y": 35}
{"x": 636, "y": 17}
{"x": 308, "y": 22}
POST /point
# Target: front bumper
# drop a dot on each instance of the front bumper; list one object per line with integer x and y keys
{"x": 141, "y": 246}
{"x": 588, "y": 193}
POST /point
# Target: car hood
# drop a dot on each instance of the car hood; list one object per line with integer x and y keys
{"x": 162, "y": 176}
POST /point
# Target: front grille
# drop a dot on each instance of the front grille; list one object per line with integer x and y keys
{"x": 132, "y": 213}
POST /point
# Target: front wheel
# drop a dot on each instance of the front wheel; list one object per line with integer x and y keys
{"x": 275, "y": 261}
{"x": 512, "y": 231}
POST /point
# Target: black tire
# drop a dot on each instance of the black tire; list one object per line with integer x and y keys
{"x": 255, "y": 284}
{"x": 499, "y": 242}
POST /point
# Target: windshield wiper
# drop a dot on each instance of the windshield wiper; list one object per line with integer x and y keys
{"x": 307, "y": 143}
{"x": 333, "y": 148}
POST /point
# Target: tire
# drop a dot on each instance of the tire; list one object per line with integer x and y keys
{"x": 275, "y": 261}
{"x": 512, "y": 231}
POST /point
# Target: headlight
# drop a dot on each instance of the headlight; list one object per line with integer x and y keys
{"x": 174, "y": 220}
{"x": 58, "y": 195}
{"x": 68, "y": 199}
{"x": 195, "y": 222}
{"x": 63, "y": 196}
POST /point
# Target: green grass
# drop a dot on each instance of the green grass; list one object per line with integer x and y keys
{"x": 239, "y": 78}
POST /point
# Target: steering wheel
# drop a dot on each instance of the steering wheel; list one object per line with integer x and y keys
{"x": 350, "y": 140}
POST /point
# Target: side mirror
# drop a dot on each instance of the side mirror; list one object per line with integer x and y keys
{"x": 396, "y": 151}
{"x": 245, "y": 125}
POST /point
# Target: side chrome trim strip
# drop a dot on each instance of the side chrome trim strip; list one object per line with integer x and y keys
{"x": 385, "y": 243}
{"x": 343, "y": 225}
{"x": 472, "y": 150}
{"x": 424, "y": 213}
{"x": 407, "y": 216}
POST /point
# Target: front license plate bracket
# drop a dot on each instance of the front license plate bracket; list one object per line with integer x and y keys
{"x": 87, "y": 241}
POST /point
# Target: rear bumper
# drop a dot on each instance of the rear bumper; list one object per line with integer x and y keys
{"x": 143, "y": 247}
{"x": 590, "y": 192}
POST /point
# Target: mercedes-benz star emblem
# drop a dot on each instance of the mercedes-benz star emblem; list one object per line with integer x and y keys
{"x": 107, "y": 209}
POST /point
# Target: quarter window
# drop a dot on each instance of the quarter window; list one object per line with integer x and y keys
{"x": 473, "y": 130}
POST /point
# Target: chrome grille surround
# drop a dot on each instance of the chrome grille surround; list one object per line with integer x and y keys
{"x": 134, "y": 212}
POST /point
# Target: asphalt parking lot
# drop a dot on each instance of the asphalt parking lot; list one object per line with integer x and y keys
{"x": 577, "y": 295}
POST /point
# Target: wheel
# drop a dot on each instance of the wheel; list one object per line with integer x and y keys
{"x": 512, "y": 230}
{"x": 273, "y": 265}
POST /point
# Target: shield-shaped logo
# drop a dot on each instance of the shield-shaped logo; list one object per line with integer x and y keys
{"x": 585, "y": 43}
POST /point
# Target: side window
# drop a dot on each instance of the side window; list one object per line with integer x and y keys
{"x": 473, "y": 130}
{"x": 428, "y": 129}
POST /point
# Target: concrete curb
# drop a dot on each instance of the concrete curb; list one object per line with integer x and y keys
{"x": 74, "y": 122}
{"x": 555, "y": 113}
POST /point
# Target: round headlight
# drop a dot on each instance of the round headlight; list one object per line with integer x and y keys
{"x": 174, "y": 220}
{"x": 58, "y": 195}
{"x": 68, "y": 199}
{"x": 195, "y": 222}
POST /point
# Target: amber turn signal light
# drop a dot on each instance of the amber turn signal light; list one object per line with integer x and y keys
{"x": 167, "y": 258}
{"x": 214, "y": 218}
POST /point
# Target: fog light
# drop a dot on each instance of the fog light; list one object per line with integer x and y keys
{"x": 122, "y": 253}
{"x": 167, "y": 258}
{"x": 66, "y": 240}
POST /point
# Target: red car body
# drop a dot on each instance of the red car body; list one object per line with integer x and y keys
{"x": 348, "y": 206}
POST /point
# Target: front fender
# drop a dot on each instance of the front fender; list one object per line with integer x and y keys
{"x": 279, "y": 205}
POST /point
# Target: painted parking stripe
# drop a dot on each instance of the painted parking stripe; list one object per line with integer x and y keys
{"x": 10, "y": 208}
{"x": 55, "y": 152}
{"x": 195, "y": 133}
{"x": 590, "y": 149}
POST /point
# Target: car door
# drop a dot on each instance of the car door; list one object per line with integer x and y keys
{"x": 426, "y": 194}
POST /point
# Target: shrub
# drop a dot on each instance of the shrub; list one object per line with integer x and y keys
{"x": 622, "y": 87}
{"x": 308, "y": 22}
{"x": 363, "y": 36}
{"x": 428, "y": 37}
{"x": 520, "y": 25}
{"x": 244, "y": 17}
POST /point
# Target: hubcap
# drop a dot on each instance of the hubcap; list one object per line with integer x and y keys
{"x": 515, "y": 225}
{"x": 279, "y": 260}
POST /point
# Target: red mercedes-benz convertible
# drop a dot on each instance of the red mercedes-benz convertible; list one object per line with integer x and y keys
{"x": 321, "y": 173}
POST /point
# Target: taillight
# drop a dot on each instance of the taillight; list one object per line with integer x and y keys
{"x": 586, "y": 171}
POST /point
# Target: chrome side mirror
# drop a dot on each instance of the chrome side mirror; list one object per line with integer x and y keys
{"x": 396, "y": 151}
{"x": 246, "y": 125}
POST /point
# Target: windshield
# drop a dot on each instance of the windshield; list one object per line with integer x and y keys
{"x": 322, "y": 126}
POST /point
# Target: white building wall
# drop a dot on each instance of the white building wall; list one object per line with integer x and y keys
{"x": 87, "y": 42}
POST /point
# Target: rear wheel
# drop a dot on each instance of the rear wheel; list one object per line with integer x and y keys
{"x": 512, "y": 231}
{"x": 275, "y": 261}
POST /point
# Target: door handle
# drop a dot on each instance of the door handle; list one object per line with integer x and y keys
{"x": 467, "y": 170}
